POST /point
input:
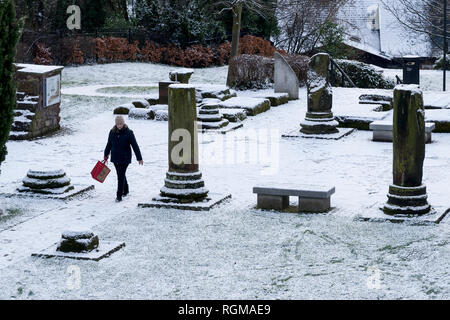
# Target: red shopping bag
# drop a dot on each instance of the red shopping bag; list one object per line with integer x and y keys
{"x": 100, "y": 171}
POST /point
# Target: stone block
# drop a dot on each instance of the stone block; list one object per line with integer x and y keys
{"x": 142, "y": 104}
{"x": 285, "y": 78}
{"x": 144, "y": 114}
{"x": 382, "y": 131}
{"x": 272, "y": 202}
{"x": 314, "y": 204}
{"x": 123, "y": 109}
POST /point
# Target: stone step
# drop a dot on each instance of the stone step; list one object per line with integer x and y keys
{"x": 234, "y": 115}
{"x": 31, "y": 98}
{"x": 20, "y": 95}
{"x": 208, "y": 111}
{"x": 209, "y": 117}
{"x": 252, "y": 106}
{"x": 25, "y": 114}
{"x": 21, "y": 125}
{"x": 18, "y": 135}
{"x": 213, "y": 125}
{"x": 27, "y": 105}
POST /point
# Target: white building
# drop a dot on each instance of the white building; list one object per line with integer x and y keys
{"x": 373, "y": 29}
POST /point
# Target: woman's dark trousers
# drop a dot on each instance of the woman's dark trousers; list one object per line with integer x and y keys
{"x": 122, "y": 184}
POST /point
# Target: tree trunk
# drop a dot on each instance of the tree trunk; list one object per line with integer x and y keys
{"x": 236, "y": 33}
{"x": 124, "y": 7}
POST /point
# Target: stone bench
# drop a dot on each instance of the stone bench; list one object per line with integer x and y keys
{"x": 382, "y": 131}
{"x": 310, "y": 198}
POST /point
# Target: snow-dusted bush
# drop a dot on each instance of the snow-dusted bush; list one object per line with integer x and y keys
{"x": 363, "y": 75}
{"x": 299, "y": 64}
{"x": 257, "y": 72}
{"x": 251, "y": 71}
{"x": 439, "y": 65}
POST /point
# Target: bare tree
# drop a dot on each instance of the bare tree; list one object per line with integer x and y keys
{"x": 301, "y": 22}
{"x": 421, "y": 16}
{"x": 261, "y": 7}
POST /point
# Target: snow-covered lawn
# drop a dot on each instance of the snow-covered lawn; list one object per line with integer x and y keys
{"x": 430, "y": 80}
{"x": 235, "y": 250}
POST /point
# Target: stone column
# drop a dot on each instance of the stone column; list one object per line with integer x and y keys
{"x": 407, "y": 194}
{"x": 164, "y": 91}
{"x": 183, "y": 183}
{"x": 319, "y": 118}
{"x": 181, "y": 75}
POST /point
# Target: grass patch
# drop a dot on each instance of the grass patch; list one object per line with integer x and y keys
{"x": 129, "y": 90}
{"x": 9, "y": 213}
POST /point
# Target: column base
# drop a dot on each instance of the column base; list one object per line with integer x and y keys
{"x": 208, "y": 203}
{"x": 407, "y": 201}
{"x": 184, "y": 187}
{"x": 319, "y": 123}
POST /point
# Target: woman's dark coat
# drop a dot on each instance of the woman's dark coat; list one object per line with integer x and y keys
{"x": 120, "y": 143}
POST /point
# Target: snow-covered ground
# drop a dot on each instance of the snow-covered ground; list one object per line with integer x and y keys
{"x": 235, "y": 250}
{"x": 430, "y": 80}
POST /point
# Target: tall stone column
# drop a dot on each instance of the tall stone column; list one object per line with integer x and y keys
{"x": 407, "y": 194}
{"x": 183, "y": 183}
{"x": 319, "y": 117}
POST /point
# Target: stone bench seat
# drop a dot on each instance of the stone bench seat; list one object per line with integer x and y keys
{"x": 310, "y": 198}
{"x": 382, "y": 131}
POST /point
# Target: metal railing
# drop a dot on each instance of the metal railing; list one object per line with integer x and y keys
{"x": 344, "y": 77}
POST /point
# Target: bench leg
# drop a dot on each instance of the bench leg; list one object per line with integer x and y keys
{"x": 272, "y": 202}
{"x": 383, "y": 136}
{"x": 428, "y": 137}
{"x": 314, "y": 204}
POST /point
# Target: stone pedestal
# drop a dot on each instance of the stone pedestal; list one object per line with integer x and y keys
{"x": 75, "y": 241}
{"x": 52, "y": 184}
{"x": 407, "y": 195}
{"x": 164, "y": 91}
{"x": 80, "y": 245}
{"x": 46, "y": 182}
{"x": 319, "y": 117}
{"x": 184, "y": 187}
{"x": 181, "y": 75}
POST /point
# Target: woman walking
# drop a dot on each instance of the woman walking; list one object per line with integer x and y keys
{"x": 120, "y": 141}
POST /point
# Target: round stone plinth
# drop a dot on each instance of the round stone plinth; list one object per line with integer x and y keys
{"x": 319, "y": 123}
{"x": 407, "y": 201}
{"x": 319, "y": 126}
{"x": 184, "y": 187}
{"x": 53, "y": 182}
{"x": 46, "y": 183}
{"x": 45, "y": 175}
